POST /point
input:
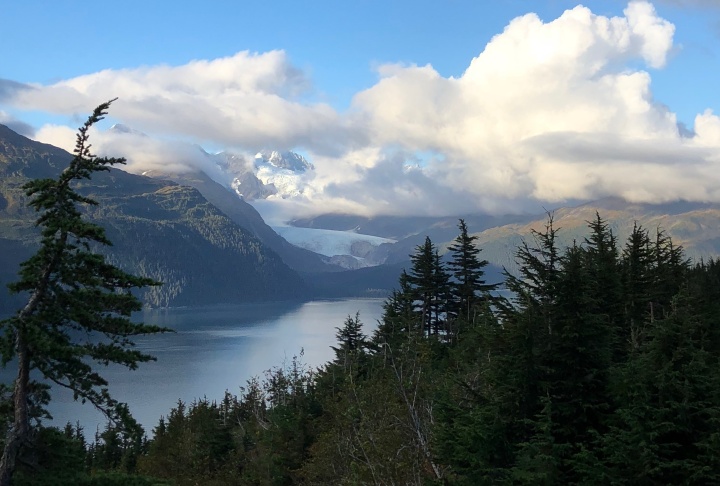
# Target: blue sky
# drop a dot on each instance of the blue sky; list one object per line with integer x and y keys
{"x": 335, "y": 63}
{"x": 338, "y": 43}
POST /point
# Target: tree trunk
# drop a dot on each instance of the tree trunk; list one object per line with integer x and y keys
{"x": 19, "y": 432}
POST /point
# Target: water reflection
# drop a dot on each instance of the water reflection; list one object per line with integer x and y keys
{"x": 217, "y": 348}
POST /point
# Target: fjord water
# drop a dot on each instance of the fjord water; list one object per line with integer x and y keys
{"x": 217, "y": 348}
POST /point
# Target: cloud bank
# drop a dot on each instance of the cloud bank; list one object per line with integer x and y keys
{"x": 547, "y": 112}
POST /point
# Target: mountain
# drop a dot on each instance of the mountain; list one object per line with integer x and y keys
{"x": 282, "y": 160}
{"x": 244, "y": 181}
{"x": 223, "y": 166}
{"x": 246, "y": 216}
{"x": 159, "y": 229}
{"x": 695, "y": 226}
{"x": 272, "y": 173}
{"x": 407, "y": 231}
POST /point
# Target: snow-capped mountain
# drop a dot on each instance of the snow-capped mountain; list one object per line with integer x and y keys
{"x": 283, "y": 171}
{"x": 270, "y": 174}
{"x": 283, "y": 160}
{"x": 273, "y": 173}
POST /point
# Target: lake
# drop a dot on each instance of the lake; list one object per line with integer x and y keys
{"x": 217, "y": 348}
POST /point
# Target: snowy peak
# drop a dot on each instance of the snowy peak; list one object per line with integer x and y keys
{"x": 283, "y": 160}
{"x": 272, "y": 173}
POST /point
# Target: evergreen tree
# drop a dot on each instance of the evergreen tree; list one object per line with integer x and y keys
{"x": 78, "y": 305}
{"x": 351, "y": 341}
{"x": 428, "y": 282}
{"x": 398, "y": 318}
{"x": 422, "y": 281}
{"x": 636, "y": 268}
{"x": 604, "y": 282}
{"x": 668, "y": 272}
{"x": 484, "y": 428}
{"x": 466, "y": 268}
{"x": 578, "y": 363}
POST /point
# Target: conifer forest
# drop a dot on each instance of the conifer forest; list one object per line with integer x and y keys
{"x": 596, "y": 364}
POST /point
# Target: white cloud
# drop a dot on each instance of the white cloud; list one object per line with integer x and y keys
{"x": 244, "y": 100}
{"x": 547, "y": 112}
{"x": 535, "y": 112}
{"x": 60, "y": 136}
{"x": 142, "y": 153}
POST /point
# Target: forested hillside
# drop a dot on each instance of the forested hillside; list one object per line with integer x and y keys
{"x": 601, "y": 368}
{"x": 161, "y": 230}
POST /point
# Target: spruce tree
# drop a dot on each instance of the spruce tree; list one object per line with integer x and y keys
{"x": 578, "y": 363}
{"x": 423, "y": 279}
{"x": 78, "y": 305}
{"x": 468, "y": 286}
{"x": 490, "y": 423}
{"x": 398, "y": 319}
{"x": 351, "y": 341}
{"x": 636, "y": 268}
{"x": 605, "y": 283}
{"x": 669, "y": 271}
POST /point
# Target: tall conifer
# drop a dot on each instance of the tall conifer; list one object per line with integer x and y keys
{"x": 467, "y": 269}
{"x": 78, "y": 305}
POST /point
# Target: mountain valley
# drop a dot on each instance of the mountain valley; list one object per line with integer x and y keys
{"x": 208, "y": 244}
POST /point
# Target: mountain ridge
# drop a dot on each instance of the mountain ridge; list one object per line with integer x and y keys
{"x": 160, "y": 229}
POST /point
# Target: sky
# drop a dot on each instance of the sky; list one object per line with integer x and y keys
{"x": 420, "y": 107}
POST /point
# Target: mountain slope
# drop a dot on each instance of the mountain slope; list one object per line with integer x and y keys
{"x": 159, "y": 229}
{"x": 247, "y": 217}
{"x": 695, "y": 226}
{"x": 409, "y": 231}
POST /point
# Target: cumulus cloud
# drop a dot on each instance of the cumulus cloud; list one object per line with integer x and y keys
{"x": 238, "y": 101}
{"x": 547, "y": 112}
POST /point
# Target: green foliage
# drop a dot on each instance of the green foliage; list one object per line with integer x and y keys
{"x": 57, "y": 458}
{"x": 351, "y": 342}
{"x": 427, "y": 281}
{"x": 669, "y": 405}
{"x": 602, "y": 368}
{"x": 72, "y": 289}
{"x": 468, "y": 287}
{"x": 594, "y": 373}
{"x": 61, "y": 458}
{"x": 78, "y": 307}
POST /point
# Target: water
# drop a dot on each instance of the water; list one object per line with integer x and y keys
{"x": 214, "y": 349}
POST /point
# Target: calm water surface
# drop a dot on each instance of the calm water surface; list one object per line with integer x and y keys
{"x": 217, "y": 348}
